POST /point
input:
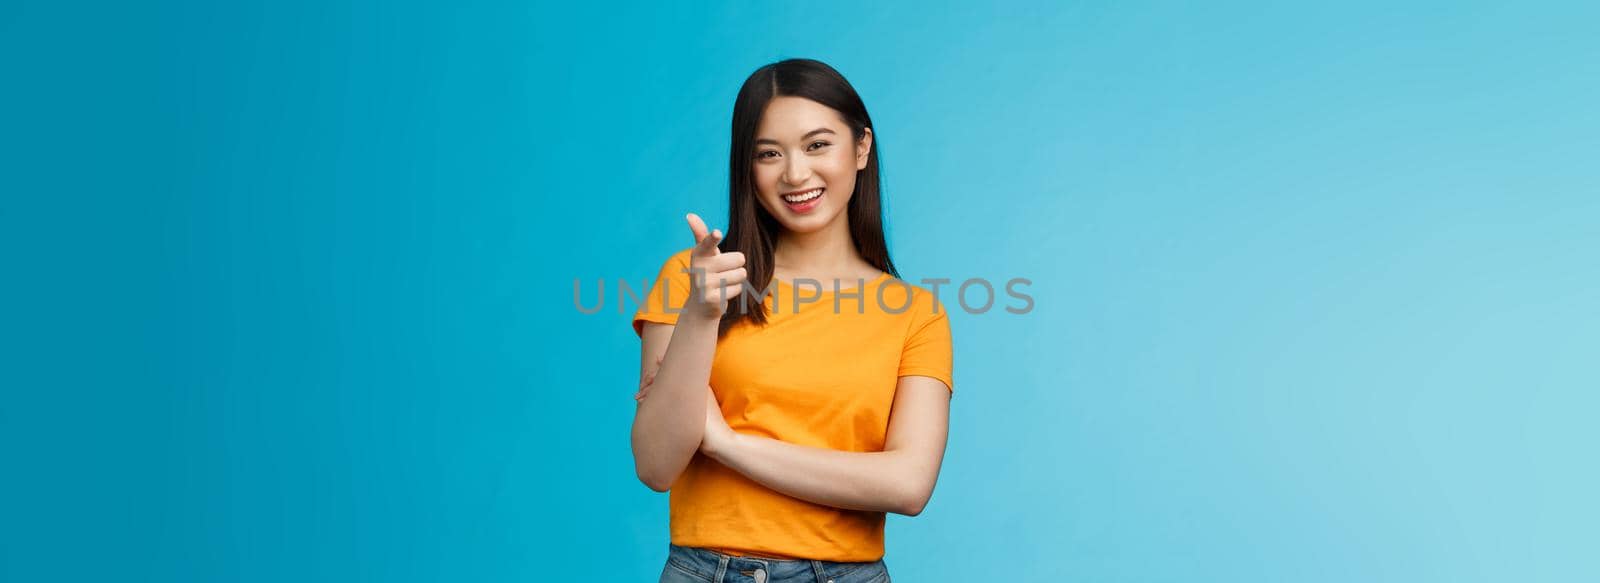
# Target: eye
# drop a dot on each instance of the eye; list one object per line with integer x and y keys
{"x": 762, "y": 155}
{"x": 819, "y": 142}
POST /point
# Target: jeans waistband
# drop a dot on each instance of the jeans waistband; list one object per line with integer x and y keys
{"x": 723, "y": 568}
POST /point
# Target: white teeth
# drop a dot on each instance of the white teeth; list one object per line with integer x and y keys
{"x": 808, "y": 195}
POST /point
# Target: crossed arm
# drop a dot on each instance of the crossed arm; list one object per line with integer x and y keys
{"x": 898, "y": 479}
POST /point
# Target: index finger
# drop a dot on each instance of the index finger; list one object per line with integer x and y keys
{"x": 705, "y": 244}
{"x": 697, "y": 227}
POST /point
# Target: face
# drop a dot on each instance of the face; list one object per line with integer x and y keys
{"x": 803, "y": 146}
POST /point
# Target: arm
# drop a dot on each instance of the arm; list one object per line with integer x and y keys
{"x": 667, "y": 429}
{"x": 898, "y": 479}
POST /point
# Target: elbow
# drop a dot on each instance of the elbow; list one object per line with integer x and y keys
{"x": 914, "y": 507}
{"x": 655, "y": 471}
{"x": 655, "y": 476}
{"x": 657, "y": 485}
{"x": 912, "y": 503}
{"x": 653, "y": 481}
{"x": 650, "y": 472}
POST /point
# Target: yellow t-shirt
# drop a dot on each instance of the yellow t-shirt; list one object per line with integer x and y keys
{"x": 814, "y": 376}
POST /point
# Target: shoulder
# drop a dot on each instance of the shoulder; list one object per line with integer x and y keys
{"x": 681, "y": 257}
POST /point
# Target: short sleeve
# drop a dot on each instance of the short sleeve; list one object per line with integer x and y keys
{"x": 667, "y": 295}
{"x": 927, "y": 349}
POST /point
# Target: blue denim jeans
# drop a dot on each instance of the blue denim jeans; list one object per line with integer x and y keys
{"x": 697, "y": 565}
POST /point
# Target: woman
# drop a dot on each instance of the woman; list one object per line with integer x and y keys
{"x": 792, "y": 389}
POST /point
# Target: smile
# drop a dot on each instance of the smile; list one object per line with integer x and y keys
{"x": 803, "y": 201}
{"x": 802, "y": 196}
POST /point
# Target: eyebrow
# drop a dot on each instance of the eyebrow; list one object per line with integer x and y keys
{"x": 802, "y": 138}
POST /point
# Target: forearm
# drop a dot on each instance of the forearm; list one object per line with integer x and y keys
{"x": 878, "y": 481}
{"x": 667, "y": 428}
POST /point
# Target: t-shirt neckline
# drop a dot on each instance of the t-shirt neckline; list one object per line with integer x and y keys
{"x": 828, "y": 289}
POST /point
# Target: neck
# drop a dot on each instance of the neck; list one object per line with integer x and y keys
{"x": 827, "y": 250}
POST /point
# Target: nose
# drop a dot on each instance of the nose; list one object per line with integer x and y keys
{"x": 796, "y": 173}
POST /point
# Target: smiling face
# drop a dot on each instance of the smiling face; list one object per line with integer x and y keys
{"x": 806, "y": 162}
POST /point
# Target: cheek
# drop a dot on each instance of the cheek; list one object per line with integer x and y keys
{"x": 840, "y": 170}
{"x": 766, "y": 183}
{"x": 766, "y": 177}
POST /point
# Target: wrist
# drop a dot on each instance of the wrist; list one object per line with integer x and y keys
{"x": 701, "y": 313}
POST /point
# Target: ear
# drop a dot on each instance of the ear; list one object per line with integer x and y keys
{"x": 863, "y": 148}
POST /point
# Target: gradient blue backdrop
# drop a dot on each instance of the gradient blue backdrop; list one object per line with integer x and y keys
{"x": 288, "y": 286}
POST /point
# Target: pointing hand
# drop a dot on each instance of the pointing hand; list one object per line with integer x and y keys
{"x": 715, "y": 277}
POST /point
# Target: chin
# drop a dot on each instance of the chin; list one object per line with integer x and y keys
{"x": 804, "y": 226}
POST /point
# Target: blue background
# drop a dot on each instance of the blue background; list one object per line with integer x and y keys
{"x": 288, "y": 287}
